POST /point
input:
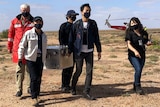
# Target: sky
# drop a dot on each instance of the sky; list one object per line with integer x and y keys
{"x": 53, "y": 11}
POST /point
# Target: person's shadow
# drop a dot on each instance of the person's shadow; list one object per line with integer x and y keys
{"x": 113, "y": 90}
{"x": 98, "y": 91}
{"x": 50, "y": 100}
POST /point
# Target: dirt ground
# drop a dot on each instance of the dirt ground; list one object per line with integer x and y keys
{"x": 112, "y": 78}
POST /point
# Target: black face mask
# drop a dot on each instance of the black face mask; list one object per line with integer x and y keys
{"x": 38, "y": 26}
{"x": 73, "y": 18}
{"x": 134, "y": 27}
{"x": 87, "y": 14}
{"x": 25, "y": 14}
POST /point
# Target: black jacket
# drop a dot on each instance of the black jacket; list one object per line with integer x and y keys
{"x": 76, "y": 36}
{"x": 64, "y": 33}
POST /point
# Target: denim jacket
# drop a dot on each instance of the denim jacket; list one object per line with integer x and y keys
{"x": 76, "y": 36}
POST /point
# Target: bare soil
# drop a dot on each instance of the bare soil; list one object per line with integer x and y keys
{"x": 112, "y": 78}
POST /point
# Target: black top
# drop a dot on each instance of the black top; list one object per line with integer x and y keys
{"x": 40, "y": 42}
{"x": 64, "y": 33}
{"x": 85, "y": 36}
{"x": 138, "y": 42}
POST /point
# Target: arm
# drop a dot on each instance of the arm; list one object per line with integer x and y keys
{"x": 147, "y": 40}
{"x": 22, "y": 46}
{"x": 11, "y": 34}
{"x": 60, "y": 35}
{"x": 97, "y": 42}
{"x": 71, "y": 40}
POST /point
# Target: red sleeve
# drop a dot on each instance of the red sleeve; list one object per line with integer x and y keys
{"x": 11, "y": 34}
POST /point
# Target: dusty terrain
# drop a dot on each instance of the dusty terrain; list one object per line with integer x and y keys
{"x": 112, "y": 78}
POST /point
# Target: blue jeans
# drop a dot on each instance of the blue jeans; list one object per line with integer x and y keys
{"x": 138, "y": 64}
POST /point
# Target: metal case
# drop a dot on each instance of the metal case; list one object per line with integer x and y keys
{"x": 57, "y": 57}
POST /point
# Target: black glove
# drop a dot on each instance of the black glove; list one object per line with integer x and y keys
{"x": 20, "y": 63}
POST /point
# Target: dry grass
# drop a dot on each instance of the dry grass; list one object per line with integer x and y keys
{"x": 112, "y": 78}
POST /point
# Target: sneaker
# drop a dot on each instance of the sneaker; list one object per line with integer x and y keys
{"x": 35, "y": 102}
{"x": 73, "y": 92}
{"x": 19, "y": 93}
{"x": 65, "y": 89}
{"x": 88, "y": 96}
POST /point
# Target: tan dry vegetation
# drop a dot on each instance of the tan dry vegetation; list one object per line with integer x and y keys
{"x": 112, "y": 78}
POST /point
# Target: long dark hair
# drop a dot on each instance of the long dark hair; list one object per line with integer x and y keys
{"x": 140, "y": 26}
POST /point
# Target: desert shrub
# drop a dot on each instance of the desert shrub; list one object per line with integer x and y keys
{"x": 4, "y": 34}
{"x": 113, "y": 56}
{"x": 154, "y": 48}
{"x": 153, "y": 58}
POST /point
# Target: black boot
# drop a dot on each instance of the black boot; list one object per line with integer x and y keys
{"x": 138, "y": 89}
{"x": 88, "y": 96}
{"x": 73, "y": 91}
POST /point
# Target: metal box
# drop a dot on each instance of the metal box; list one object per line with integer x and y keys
{"x": 57, "y": 57}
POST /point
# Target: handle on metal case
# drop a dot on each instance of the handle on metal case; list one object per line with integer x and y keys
{"x": 64, "y": 50}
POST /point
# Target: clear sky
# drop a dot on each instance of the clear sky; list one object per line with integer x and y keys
{"x": 54, "y": 11}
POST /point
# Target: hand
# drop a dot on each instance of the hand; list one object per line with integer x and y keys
{"x": 68, "y": 54}
{"x": 20, "y": 63}
{"x": 149, "y": 43}
{"x": 10, "y": 51}
{"x": 99, "y": 56}
{"x": 137, "y": 54}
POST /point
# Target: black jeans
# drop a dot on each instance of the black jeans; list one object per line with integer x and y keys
{"x": 35, "y": 70}
{"x": 66, "y": 76}
{"x": 88, "y": 57}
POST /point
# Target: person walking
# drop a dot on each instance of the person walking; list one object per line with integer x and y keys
{"x": 33, "y": 47}
{"x": 18, "y": 27}
{"x": 136, "y": 39}
{"x": 82, "y": 38}
{"x": 63, "y": 40}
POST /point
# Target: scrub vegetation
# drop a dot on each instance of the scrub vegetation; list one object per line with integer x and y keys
{"x": 112, "y": 77}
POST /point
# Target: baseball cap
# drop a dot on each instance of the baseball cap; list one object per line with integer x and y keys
{"x": 71, "y": 12}
{"x": 37, "y": 18}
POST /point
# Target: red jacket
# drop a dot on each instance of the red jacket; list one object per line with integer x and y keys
{"x": 16, "y": 31}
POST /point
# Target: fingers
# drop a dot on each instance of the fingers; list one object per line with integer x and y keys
{"x": 99, "y": 56}
{"x": 9, "y": 51}
{"x": 138, "y": 55}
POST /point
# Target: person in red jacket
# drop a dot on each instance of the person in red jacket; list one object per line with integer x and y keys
{"x": 19, "y": 25}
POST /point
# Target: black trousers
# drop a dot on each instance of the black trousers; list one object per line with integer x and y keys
{"x": 88, "y": 57}
{"x": 35, "y": 70}
{"x": 66, "y": 76}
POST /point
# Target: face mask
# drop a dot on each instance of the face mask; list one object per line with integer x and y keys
{"x": 73, "y": 18}
{"x": 25, "y": 14}
{"x": 134, "y": 27}
{"x": 87, "y": 14}
{"x": 38, "y": 26}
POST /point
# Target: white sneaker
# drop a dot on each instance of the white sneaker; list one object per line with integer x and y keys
{"x": 35, "y": 102}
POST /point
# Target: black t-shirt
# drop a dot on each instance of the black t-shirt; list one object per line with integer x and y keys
{"x": 84, "y": 36}
{"x": 138, "y": 42}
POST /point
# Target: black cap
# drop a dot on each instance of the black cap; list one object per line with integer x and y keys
{"x": 37, "y": 18}
{"x": 71, "y": 13}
